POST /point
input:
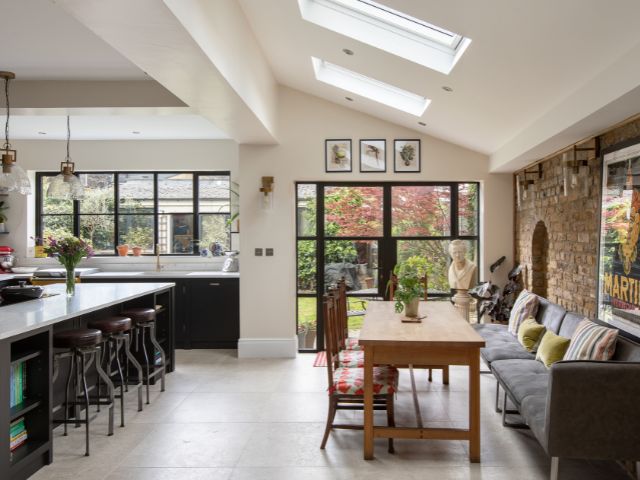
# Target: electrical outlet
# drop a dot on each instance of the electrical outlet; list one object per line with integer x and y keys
{"x": 258, "y": 252}
{"x": 269, "y": 252}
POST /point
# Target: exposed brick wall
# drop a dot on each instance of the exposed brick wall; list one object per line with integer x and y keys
{"x": 572, "y": 230}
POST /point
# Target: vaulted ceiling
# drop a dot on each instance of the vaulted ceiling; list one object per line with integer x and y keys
{"x": 536, "y": 77}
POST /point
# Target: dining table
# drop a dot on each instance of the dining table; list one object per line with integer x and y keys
{"x": 438, "y": 336}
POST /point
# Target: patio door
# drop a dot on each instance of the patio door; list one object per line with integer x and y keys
{"x": 360, "y": 230}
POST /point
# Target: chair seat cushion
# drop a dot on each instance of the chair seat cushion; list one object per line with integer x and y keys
{"x": 351, "y": 358}
{"x": 351, "y": 343}
{"x": 140, "y": 315}
{"x": 350, "y": 381}
{"x": 82, "y": 337}
{"x": 111, "y": 325}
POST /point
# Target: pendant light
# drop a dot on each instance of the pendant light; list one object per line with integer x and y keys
{"x": 12, "y": 178}
{"x": 66, "y": 185}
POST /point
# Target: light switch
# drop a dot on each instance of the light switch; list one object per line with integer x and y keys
{"x": 258, "y": 252}
{"x": 269, "y": 252}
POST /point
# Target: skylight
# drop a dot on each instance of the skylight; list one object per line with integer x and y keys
{"x": 389, "y": 30}
{"x": 369, "y": 88}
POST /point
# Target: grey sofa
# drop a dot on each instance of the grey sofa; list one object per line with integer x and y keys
{"x": 575, "y": 409}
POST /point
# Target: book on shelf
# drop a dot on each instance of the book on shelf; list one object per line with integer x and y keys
{"x": 17, "y": 384}
{"x": 17, "y": 433}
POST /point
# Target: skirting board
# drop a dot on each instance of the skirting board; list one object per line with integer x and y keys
{"x": 268, "y": 347}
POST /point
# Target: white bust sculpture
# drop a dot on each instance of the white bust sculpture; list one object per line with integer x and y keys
{"x": 462, "y": 271}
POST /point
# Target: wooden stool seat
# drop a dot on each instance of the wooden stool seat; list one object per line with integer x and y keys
{"x": 77, "y": 338}
{"x": 111, "y": 325}
{"x": 140, "y": 315}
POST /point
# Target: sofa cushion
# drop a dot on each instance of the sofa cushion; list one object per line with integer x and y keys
{"x": 505, "y": 352}
{"x": 525, "y": 306}
{"x": 626, "y": 350}
{"x": 521, "y": 378}
{"x": 534, "y": 412}
{"x": 530, "y": 333}
{"x": 552, "y": 348}
{"x": 591, "y": 341}
{"x": 550, "y": 315}
{"x": 500, "y": 344}
{"x": 569, "y": 324}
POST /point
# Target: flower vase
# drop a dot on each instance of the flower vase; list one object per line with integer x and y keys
{"x": 71, "y": 281}
{"x": 411, "y": 308}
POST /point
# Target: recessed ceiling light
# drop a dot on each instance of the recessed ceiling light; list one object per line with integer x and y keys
{"x": 447, "y": 88}
{"x": 135, "y": 132}
{"x": 347, "y": 51}
{"x": 42, "y": 133}
{"x": 349, "y": 98}
{"x": 422, "y": 123}
{"x": 368, "y": 87}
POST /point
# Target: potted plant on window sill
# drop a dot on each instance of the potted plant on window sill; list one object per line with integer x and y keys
{"x": 410, "y": 275}
{"x": 3, "y": 217}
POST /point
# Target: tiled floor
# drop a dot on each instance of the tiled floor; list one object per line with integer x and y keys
{"x": 227, "y": 419}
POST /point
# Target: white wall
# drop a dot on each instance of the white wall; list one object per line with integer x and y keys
{"x": 43, "y": 155}
{"x": 267, "y": 286}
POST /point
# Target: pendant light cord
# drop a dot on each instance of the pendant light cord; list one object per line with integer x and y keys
{"x": 68, "y": 138}
{"x": 6, "y": 125}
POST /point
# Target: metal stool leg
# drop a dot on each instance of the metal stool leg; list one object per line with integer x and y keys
{"x": 154, "y": 342}
{"x": 147, "y": 379}
{"x": 66, "y": 393}
{"x": 109, "y": 385}
{"x": 86, "y": 400}
{"x": 120, "y": 374}
{"x": 136, "y": 364}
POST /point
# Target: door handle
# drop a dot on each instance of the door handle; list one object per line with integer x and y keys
{"x": 214, "y": 284}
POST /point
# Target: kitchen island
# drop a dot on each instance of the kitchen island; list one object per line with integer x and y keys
{"x": 26, "y": 332}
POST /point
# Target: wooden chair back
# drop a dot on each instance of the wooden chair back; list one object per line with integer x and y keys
{"x": 331, "y": 334}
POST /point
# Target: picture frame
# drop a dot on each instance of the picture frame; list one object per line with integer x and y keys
{"x": 406, "y": 155}
{"x": 337, "y": 155}
{"x": 373, "y": 155}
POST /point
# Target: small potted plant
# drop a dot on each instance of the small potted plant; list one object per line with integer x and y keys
{"x": 3, "y": 216}
{"x": 410, "y": 276}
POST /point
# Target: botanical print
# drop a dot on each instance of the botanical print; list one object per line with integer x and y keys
{"x": 406, "y": 156}
{"x": 373, "y": 156}
{"x": 338, "y": 155}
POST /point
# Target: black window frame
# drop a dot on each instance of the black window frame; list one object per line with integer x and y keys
{"x": 386, "y": 242}
{"x": 116, "y": 210}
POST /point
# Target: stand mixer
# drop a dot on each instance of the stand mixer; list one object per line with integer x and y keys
{"x": 7, "y": 259}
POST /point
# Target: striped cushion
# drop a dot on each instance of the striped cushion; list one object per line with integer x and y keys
{"x": 526, "y": 306}
{"x": 351, "y": 358}
{"x": 591, "y": 342}
{"x": 350, "y": 381}
{"x": 351, "y": 343}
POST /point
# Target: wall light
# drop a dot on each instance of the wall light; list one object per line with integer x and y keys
{"x": 266, "y": 199}
{"x": 526, "y": 179}
{"x": 575, "y": 170}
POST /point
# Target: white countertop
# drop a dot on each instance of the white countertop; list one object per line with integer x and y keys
{"x": 25, "y": 316}
{"x": 166, "y": 274}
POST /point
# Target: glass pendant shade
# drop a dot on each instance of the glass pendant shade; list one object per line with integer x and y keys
{"x": 66, "y": 185}
{"x": 12, "y": 177}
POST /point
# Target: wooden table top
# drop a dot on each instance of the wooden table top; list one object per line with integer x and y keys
{"x": 443, "y": 325}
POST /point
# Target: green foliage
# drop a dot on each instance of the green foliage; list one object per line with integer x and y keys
{"x": 139, "y": 237}
{"x": 3, "y": 217}
{"x": 306, "y": 265}
{"x": 410, "y": 284}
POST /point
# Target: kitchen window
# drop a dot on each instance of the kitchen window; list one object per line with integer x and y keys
{"x": 182, "y": 213}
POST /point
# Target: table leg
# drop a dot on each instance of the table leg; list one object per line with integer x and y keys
{"x": 368, "y": 403}
{"x": 474, "y": 406}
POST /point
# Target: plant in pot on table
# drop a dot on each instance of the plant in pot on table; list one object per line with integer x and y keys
{"x": 410, "y": 276}
{"x": 69, "y": 251}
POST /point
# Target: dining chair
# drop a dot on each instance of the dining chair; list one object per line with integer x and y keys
{"x": 346, "y": 384}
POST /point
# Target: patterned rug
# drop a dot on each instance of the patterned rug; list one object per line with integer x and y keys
{"x": 321, "y": 359}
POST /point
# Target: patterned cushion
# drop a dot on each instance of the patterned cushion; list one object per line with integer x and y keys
{"x": 592, "y": 342}
{"x": 526, "y": 306}
{"x": 352, "y": 344}
{"x": 350, "y": 381}
{"x": 351, "y": 358}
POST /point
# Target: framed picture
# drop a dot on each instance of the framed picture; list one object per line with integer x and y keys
{"x": 618, "y": 264}
{"x": 337, "y": 155}
{"x": 406, "y": 155}
{"x": 373, "y": 155}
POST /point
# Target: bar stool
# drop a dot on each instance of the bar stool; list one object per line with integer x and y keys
{"x": 145, "y": 319}
{"x": 115, "y": 332}
{"x": 79, "y": 343}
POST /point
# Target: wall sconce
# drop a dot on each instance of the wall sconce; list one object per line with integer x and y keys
{"x": 266, "y": 199}
{"x": 524, "y": 180}
{"x": 575, "y": 171}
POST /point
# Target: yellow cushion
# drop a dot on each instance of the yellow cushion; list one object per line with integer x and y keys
{"x": 530, "y": 333}
{"x": 552, "y": 348}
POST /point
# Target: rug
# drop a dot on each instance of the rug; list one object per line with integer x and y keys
{"x": 321, "y": 359}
